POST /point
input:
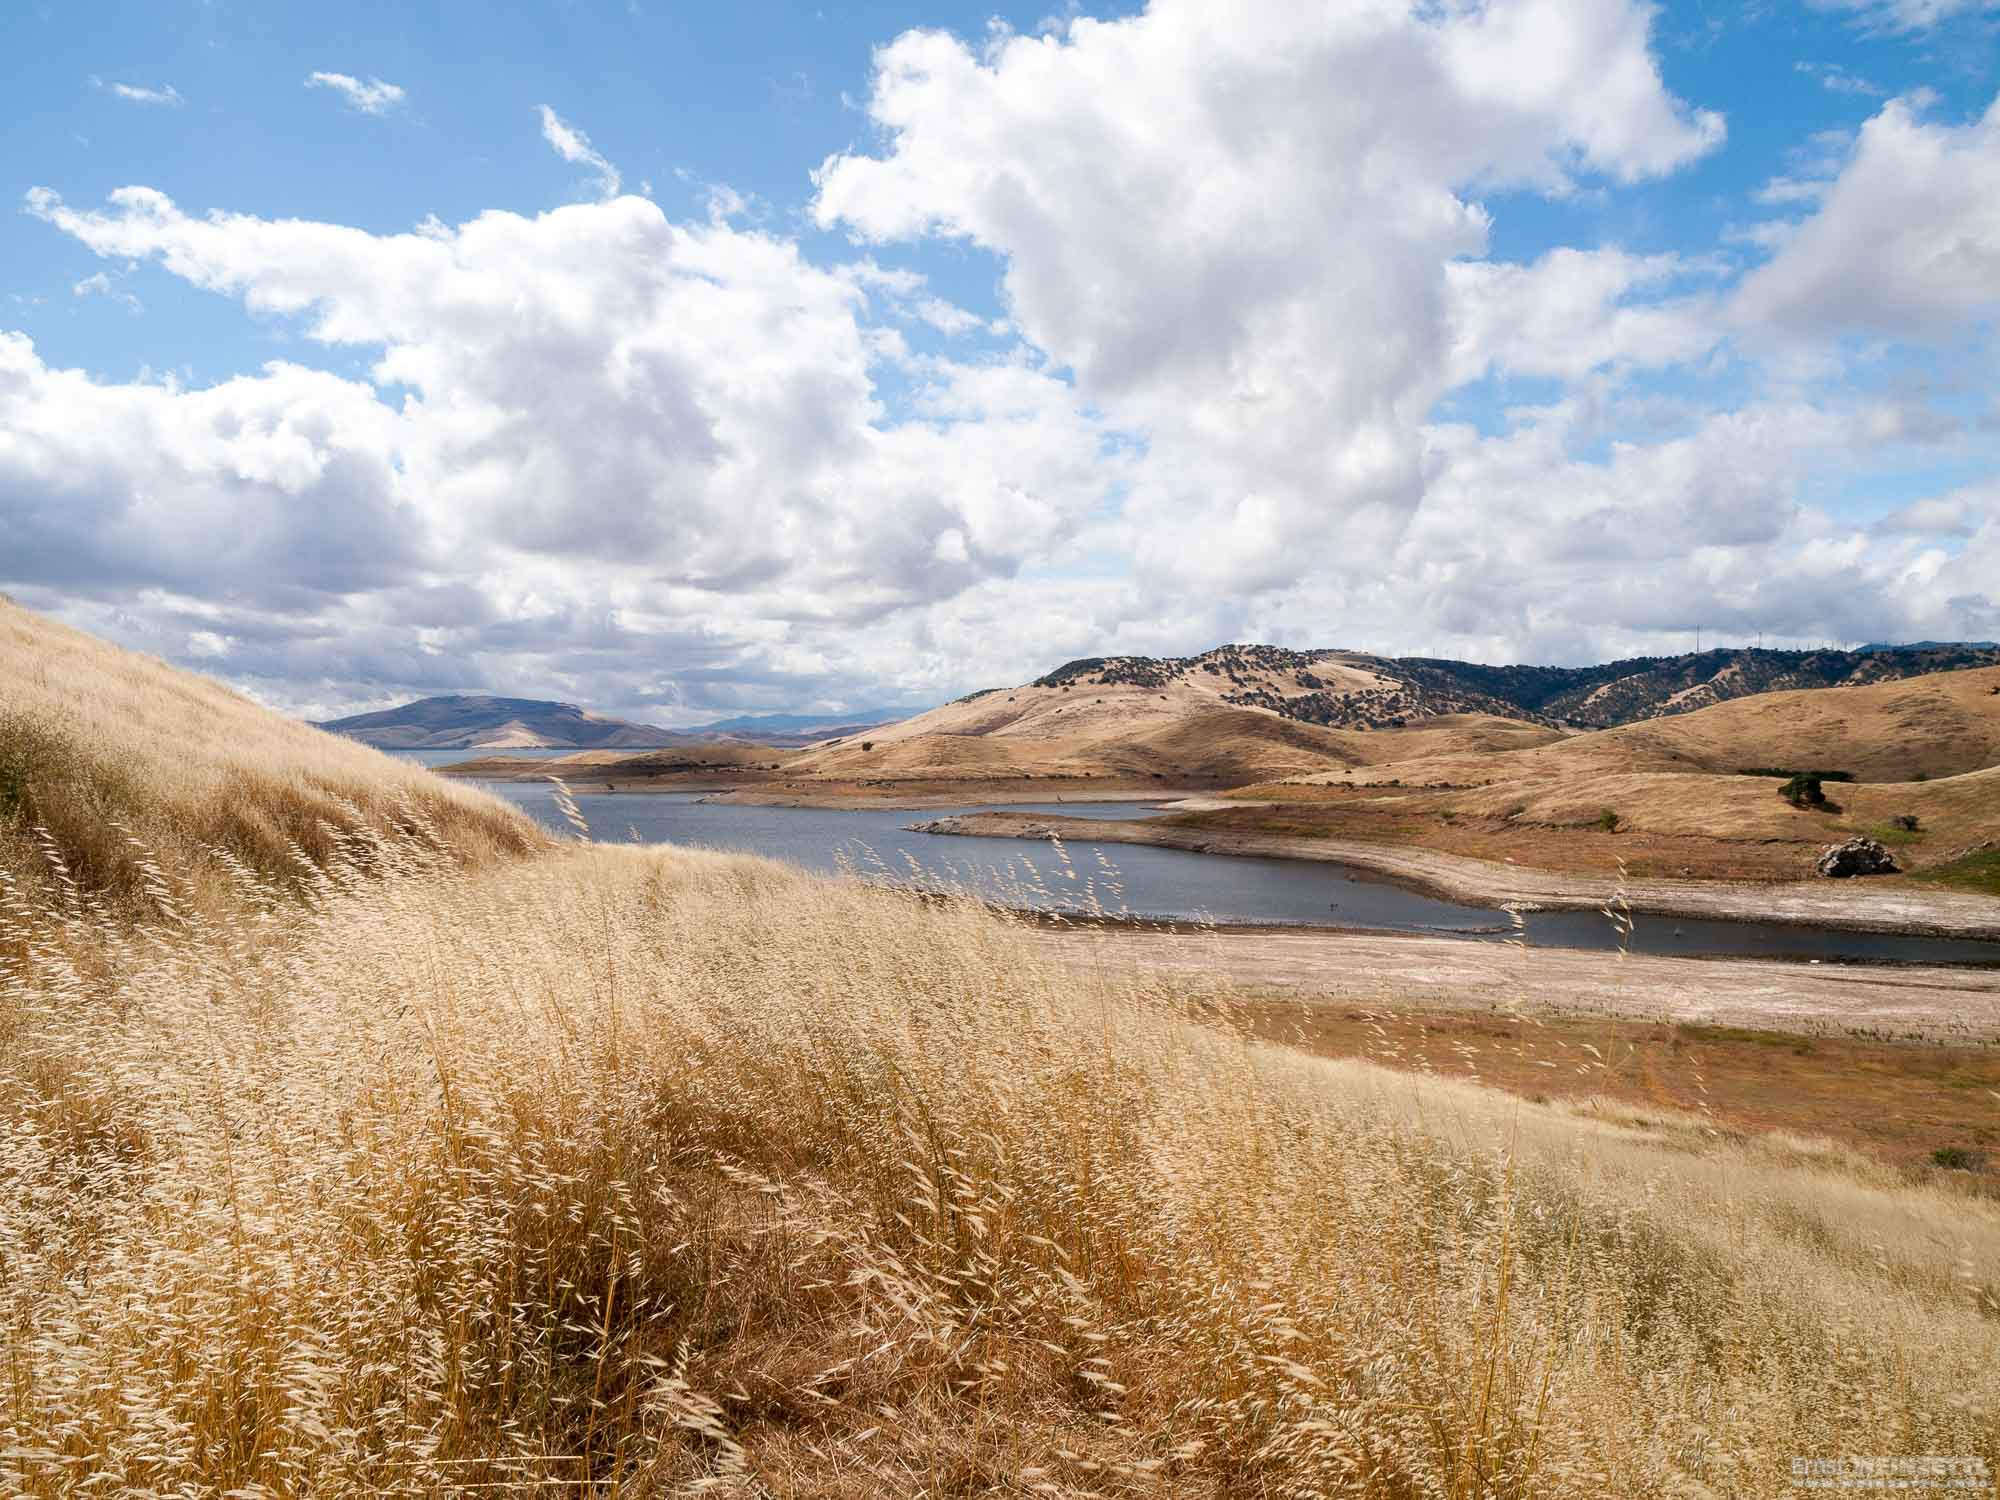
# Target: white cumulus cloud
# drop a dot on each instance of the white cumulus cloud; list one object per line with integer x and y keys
{"x": 667, "y": 466}
{"x": 1262, "y": 290}
{"x": 1905, "y": 240}
{"x": 607, "y": 411}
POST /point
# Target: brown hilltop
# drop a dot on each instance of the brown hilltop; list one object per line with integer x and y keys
{"x": 1123, "y": 718}
{"x": 1943, "y": 724}
{"x": 1241, "y": 720}
{"x": 1667, "y": 797}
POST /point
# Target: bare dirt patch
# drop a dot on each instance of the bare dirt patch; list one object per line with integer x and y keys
{"x": 1903, "y": 1063}
{"x": 1903, "y": 1103}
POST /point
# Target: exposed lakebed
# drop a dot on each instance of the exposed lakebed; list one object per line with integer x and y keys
{"x": 1126, "y": 880}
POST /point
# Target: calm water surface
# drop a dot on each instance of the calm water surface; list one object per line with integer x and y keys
{"x": 1128, "y": 879}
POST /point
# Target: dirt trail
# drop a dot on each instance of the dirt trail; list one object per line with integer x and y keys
{"x": 1856, "y": 906}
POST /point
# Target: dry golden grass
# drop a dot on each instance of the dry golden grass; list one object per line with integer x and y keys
{"x": 1945, "y": 724}
{"x": 647, "y": 1173}
{"x": 1675, "y": 779}
{"x": 1668, "y": 826}
{"x": 1182, "y": 733}
{"x": 390, "y": 1167}
{"x": 100, "y": 748}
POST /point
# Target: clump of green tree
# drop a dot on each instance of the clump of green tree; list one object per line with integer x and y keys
{"x": 1803, "y": 789}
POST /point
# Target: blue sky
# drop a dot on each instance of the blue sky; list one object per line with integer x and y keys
{"x": 968, "y": 449}
{"x": 681, "y": 96}
{"x": 754, "y": 95}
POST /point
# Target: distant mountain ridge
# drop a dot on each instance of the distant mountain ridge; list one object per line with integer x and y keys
{"x": 1361, "y": 690}
{"x": 1333, "y": 689}
{"x": 462, "y": 721}
{"x": 480, "y": 722}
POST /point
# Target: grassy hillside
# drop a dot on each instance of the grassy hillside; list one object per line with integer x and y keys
{"x": 1940, "y": 725}
{"x": 1360, "y": 690}
{"x": 1247, "y": 714}
{"x": 1187, "y": 729}
{"x": 643, "y": 1172}
{"x": 1926, "y": 748}
{"x": 111, "y": 762}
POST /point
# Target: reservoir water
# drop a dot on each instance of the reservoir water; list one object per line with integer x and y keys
{"x": 1132, "y": 880}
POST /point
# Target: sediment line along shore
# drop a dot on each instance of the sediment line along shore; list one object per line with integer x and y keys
{"x": 1861, "y": 906}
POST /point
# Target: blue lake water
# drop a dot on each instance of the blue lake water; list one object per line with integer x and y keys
{"x": 1132, "y": 880}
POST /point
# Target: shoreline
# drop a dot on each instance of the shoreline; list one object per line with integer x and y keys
{"x": 1141, "y": 924}
{"x": 1411, "y": 973}
{"x": 1846, "y": 907}
{"x": 754, "y": 788}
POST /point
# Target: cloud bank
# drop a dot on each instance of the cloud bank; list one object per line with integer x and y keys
{"x": 1258, "y": 376}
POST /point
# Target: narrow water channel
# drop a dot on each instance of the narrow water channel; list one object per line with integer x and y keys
{"x": 1132, "y": 880}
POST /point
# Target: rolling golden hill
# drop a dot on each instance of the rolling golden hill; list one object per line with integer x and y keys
{"x": 1250, "y": 716}
{"x": 1196, "y": 725}
{"x": 111, "y": 761}
{"x": 1942, "y": 725}
{"x": 1186, "y": 729}
{"x": 1666, "y": 797}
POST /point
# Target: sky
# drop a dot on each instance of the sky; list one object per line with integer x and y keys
{"x": 691, "y": 360}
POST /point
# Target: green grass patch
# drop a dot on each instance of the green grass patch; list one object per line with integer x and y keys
{"x": 1978, "y": 871}
{"x": 1892, "y": 836}
{"x": 1695, "y": 1032}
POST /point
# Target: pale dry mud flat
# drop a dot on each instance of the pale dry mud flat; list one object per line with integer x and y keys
{"x": 1852, "y": 906}
{"x": 1380, "y": 971}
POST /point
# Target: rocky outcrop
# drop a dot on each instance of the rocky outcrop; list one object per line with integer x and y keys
{"x": 1856, "y": 857}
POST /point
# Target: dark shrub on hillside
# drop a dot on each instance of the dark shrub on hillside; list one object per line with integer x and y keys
{"x": 1804, "y": 790}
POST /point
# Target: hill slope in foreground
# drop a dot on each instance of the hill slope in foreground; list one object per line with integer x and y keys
{"x": 120, "y": 760}
{"x": 647, "y": 1172}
